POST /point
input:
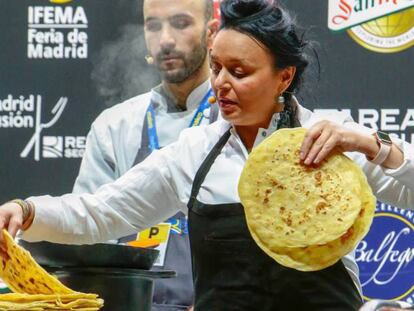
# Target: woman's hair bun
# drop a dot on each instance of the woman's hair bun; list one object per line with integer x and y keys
{"x": 233, "y": 10}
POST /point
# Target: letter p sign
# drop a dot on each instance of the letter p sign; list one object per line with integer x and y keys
{"x": 153, "y": 231}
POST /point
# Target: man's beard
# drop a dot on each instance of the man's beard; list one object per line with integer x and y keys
{"x": 192, "y": 63}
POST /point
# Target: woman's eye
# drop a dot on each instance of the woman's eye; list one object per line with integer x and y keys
{"x": 215, "y": 70}
{"x": 238, "y": 73}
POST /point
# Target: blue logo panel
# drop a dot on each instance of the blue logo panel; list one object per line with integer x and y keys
{"x": 385, "y": 255}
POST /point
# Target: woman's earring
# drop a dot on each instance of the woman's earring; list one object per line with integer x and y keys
{"x": 149, "y": 59}
{"x": 281, "y": 100}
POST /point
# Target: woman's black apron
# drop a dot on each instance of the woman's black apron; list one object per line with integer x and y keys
{"x": 232, "y": 273}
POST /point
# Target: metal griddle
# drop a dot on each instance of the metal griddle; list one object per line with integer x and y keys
{"x": 95, "y": 255}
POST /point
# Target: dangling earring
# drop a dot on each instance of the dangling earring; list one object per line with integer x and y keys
{"x": 149, "y": 59}
{"x": 281, "y": 100}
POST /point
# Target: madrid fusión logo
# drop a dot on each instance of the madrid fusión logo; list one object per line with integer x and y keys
{"x": 27, "y": 113}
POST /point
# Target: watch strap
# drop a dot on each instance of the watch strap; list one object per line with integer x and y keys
{"x": 383, "y": 152}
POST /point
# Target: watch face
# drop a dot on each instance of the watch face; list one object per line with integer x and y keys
{"x": 384, "y": 137}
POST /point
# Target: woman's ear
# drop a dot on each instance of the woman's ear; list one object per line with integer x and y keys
{"x": 286, "y": 77}
{"x": 212, "y": 29}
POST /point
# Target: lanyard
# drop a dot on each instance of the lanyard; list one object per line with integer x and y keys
{"x": 153, "y": 143}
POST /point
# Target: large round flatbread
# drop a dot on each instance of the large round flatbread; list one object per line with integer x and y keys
{"x": 288, "y": 204}
{"x": 304, "y": 217}
{"x": 317, "y": 257}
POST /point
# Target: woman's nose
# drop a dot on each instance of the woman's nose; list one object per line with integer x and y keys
{"x": 221, "y": 81}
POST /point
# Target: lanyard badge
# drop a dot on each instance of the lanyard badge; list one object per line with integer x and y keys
{"x": 198, "y": 117}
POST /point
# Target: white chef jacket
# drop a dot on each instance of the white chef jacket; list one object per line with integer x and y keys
{"x": 156, "y": 188}
{"x": 115, "y": 136}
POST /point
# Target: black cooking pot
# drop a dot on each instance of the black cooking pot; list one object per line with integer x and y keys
{"x": 122, "y": 289}
{"x": 95, "y": 255}
{"x": 117, "y": 273}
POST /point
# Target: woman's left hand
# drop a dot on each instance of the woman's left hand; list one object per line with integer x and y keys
{"x": 325, "y": 136}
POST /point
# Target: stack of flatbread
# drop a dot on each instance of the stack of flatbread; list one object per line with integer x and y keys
{"x": 34, "y": 288}
{"x": 305, "y": 218}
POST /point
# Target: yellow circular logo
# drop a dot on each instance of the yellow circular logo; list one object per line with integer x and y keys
{"x": 60, "y": 1}
{"x": 388, "y": 34}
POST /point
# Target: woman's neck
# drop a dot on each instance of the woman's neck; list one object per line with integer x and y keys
{"x": 247, "y": 134}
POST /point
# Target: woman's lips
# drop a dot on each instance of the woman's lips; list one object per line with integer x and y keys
{"x": 226, "y": 104}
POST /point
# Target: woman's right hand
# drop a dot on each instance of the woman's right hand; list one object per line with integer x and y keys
{"x": 11, "y": 219}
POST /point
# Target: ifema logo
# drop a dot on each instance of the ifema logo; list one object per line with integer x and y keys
{"x": 385, "y": 256}
{"x": 385, "y": 26}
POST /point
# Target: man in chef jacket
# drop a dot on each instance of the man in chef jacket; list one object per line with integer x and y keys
{"x": 177, "y": 34}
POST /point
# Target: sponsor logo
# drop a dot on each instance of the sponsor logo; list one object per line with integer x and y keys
{"x": 18, "y": 112}
{"x": 63, "y": 146}
{"x": 384, "y": 26}
{"x": 216, "y": 9}
{"x": 397, "y": 122}
{"x": 57, "y": 32}
{"x": 385, "y": 256}
{"x": 179, "y": 225}
{"x": 52, "y": 147}
{"x": 25, "y": 112}
{"x": 60, "y": 1}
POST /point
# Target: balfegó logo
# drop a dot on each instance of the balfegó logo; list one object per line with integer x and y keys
{"x": 384, "y": 26}
{"x": 385, "y": 256}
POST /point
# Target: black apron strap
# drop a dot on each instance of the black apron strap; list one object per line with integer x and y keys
{"x": 205, "y": 167}
{"x": 143, "y": 150}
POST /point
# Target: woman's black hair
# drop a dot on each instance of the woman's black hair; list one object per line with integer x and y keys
{"x": 271, "y": 25}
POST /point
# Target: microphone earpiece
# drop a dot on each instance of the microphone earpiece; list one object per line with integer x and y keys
{"x": 149, "y": 59}
{"x": 212, "y": 100}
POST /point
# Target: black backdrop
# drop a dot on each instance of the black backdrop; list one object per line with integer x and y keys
{"x": 352, "y": 77}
